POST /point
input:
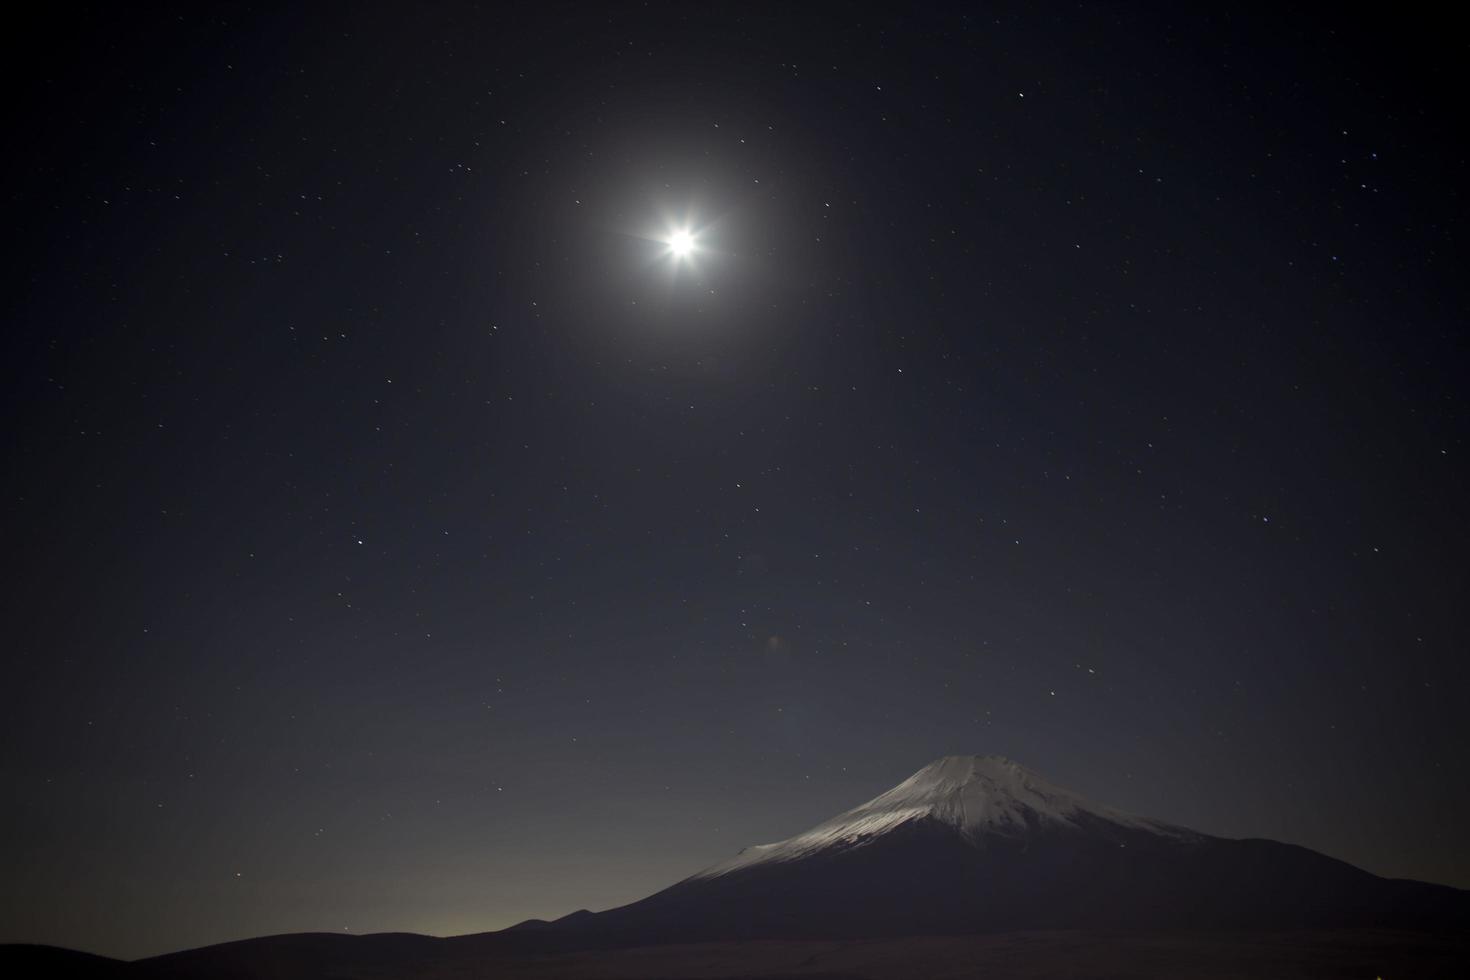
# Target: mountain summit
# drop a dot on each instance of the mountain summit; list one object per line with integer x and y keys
{"x": 983, "y": 798}
{"x": 991, "y": 795}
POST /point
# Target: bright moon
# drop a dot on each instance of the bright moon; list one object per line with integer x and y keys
{"x": 681, "y": 244}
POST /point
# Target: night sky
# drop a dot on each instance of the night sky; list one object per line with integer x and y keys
{"x": 397, "y": 537}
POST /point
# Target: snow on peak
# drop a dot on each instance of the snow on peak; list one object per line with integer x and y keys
{"x": 980, "y": 796}
{"x": 989, "y": 794}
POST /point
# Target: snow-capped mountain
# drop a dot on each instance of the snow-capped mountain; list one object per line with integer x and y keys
{"x": 983, "y": 798}
{"x": 973, "y": 844}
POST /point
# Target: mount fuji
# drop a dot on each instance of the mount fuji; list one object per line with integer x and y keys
{"x": 979, "y": 844}
{"x": 982, "y": 799}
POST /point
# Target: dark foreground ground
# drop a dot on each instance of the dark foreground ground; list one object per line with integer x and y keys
{"x": 1362, "y": 955}
{"x": 1034, "y": 955}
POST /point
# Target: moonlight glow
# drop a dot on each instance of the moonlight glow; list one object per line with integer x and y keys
{"x": 681, "y": 243}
